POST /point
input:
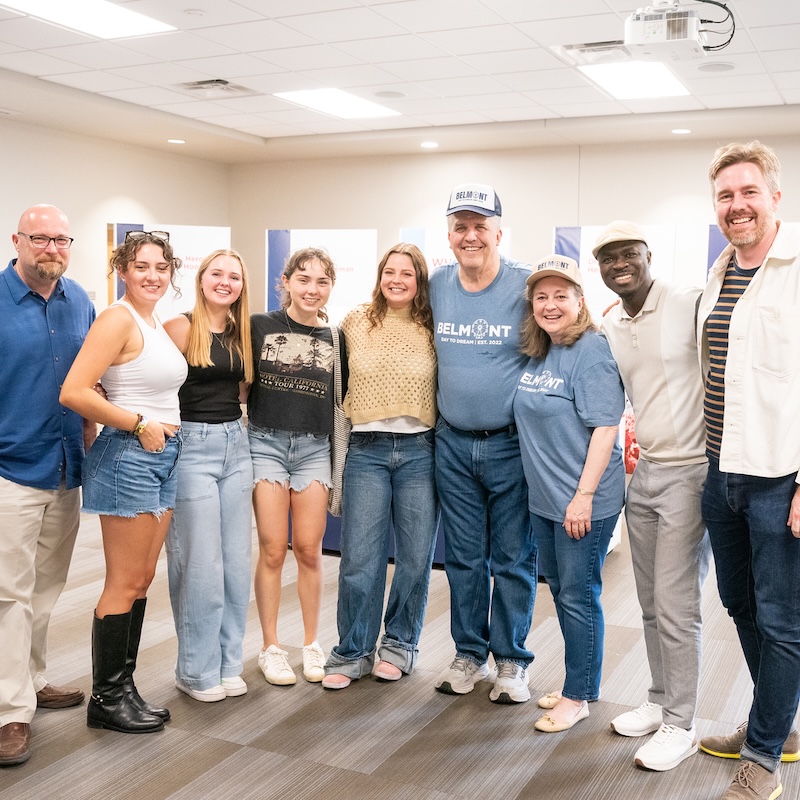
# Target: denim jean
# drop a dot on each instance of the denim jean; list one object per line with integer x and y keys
{"x": 208, "y": 552}
{"x": 573, "y": 571}
{"x": 484, "y": 502}
{"x": 388, "y": 477}
{"x": 758, "y": 575}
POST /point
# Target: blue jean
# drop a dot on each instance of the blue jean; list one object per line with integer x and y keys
{"x": 573, "y": 571}
{"x": 484, "y": 502}
{"x": 208, "y": 552}
{"x": 758, "y": 575}
{"x": 387, "y": 477}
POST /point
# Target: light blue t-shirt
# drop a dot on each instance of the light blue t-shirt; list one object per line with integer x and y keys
{"x": 477, "y": 345}
{"x": 559, "y": 402}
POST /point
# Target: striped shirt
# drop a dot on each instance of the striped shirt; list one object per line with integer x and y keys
{"x": 733, "y": 286}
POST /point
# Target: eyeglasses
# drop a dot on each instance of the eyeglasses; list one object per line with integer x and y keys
{"x": 41, "y": 242}
{"x": 132, "y": 236}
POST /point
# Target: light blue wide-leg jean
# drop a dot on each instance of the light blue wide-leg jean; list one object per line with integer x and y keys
{"x": 208, "y": 552}
{"x": 389, "y": 477}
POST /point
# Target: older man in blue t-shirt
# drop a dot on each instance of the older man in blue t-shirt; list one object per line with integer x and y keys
{"x": 45, "y": 318}
{"x": 478, "y": 306}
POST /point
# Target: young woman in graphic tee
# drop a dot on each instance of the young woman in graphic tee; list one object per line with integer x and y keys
{"x": 290, "y": 412}
{"x": 209, "y": 540}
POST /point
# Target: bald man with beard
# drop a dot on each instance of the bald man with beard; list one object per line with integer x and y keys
{"x": 44, "y": 318}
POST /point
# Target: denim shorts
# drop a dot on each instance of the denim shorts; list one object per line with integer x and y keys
{"x": 290, "y": 458}
{"x": 122, "y": 479}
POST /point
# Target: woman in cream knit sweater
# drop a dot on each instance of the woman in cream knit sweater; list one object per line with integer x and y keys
{"x": 391, "y": 401}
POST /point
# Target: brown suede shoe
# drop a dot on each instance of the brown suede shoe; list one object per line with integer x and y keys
{"x": 15, "y": 743}
{"x": 729, "y": 745}
{"x": 58, "y": 697}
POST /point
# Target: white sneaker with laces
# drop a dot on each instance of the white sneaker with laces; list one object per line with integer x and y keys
{"x": 511, "y": 684}
{"x": 667, "y": 748}
{"x": 639, "y": 722}
{"x": 313, "y": 662}
{"x": 274, "y": 663}
{"x": 212, "y": 695}
{"x": 234, "y": 687}
{"x": 461, "y": 676}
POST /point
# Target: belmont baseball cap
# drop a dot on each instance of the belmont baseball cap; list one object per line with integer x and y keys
{"x": 477, "y": 197}
{"x": 619, "y": 231}
{"x": 558, "y": 266}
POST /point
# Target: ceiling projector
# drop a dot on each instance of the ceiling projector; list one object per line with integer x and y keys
{"x": 665, "y": 32}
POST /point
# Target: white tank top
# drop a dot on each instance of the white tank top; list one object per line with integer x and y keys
{"x": 149, "y": 384}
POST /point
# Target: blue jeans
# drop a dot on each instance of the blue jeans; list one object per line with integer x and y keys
{"x": 387, "y": 477}
{"x": 484, "y": 502}
{"x": 208, "y": 552}
{"x": 758, "y": 575}
{"x": 572, "y": 569}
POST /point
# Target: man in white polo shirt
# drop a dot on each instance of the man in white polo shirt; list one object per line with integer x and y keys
{"x": 652, "y": 337}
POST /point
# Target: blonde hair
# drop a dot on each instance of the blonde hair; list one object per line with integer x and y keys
{"x": 421, "y": 304}
{"x": 237, "y": 325}
{"x": 752, "y": 153}
{"x": 535, "y": 342}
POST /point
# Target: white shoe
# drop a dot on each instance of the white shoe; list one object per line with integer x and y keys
{"x": 511, "y": 684}
{"x": 461, "y": 676}
{"x": 234, "y": 687}
{"x": 212, "y": 695}
{"x": 639, "y": 722}
{"x": 313, "y": 662}
{"x": 273, "y": 662}
{"x": 667, "y": 748}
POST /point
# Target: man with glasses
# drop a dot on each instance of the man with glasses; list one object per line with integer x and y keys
{"x": 44, "y": 319}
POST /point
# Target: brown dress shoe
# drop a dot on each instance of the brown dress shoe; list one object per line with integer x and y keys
{"x": 58, "y": 697}
{"x": 15, "y": 743}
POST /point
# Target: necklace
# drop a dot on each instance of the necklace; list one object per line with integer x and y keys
{"x": 289, "y": 323}
{"x": 220, "y": 337}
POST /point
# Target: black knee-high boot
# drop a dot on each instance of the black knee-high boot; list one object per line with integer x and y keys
{"x": 109, "y": 707}
{"x": 129, "y": 687}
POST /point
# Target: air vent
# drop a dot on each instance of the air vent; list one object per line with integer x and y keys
{"x": 586, "y": 53}
{"x": 215, "y": 89}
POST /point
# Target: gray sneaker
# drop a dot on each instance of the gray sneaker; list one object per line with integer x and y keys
{"x": 461, "y": 676}
{"x": 729, "y": 746}
{"x": 511, "y": 684}
{"x": 753, "y": 782}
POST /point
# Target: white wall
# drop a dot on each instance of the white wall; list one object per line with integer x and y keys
{"x": 96, "y": 182}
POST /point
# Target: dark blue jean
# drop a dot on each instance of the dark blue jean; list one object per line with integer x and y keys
{"x": 484, "y": 500}
{"x": 388, "y": 477}
{"x": 758, "y": 575}
{"x": 573, "y": 571}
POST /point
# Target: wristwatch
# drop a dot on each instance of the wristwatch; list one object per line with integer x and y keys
{"x": 585, "y": 492}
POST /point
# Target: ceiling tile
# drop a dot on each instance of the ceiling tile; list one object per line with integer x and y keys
{"x": 342, "y": 26}
{"x": 489, "y": 39}
{"x": 176, "y": 46}
{"x": 94, "y": 81}
{"x": 100, "y": 55}
{"x": 231, "y": 66}
{"x": 33, "y": 34}
{"x": 38, "y": 64}
{"x": 444, "y": 15}
{"x": 391, "y": 48}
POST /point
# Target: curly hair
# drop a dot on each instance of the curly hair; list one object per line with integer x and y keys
{"x": 421, "y": 304}
{"x": 297, "y": 261}
{"x": 125, "y": 255}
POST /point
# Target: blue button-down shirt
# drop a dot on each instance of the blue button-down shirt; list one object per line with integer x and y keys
{"x": 41, "y": 441}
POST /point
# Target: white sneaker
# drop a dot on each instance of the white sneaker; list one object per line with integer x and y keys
{"x": 511, "y": 684}
{"x": 667, "y": 748}
{"x": 273, "y": 662}
{"x": 461, "y": 676}
{"x": 212, "y": 695}
{"x": 639, "y": 722}
{"x": 313, "y": 662}
{"x": 234, "y": 687}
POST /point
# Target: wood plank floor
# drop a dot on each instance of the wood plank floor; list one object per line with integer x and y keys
{"x": 400, "y": 741}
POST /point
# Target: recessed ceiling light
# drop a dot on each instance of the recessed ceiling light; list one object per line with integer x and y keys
{"x": 429, "y": 145}
{"x": 194, "y": 12}
{"x": 176, "y": 141}
{"x": 635, "y": 80}
{"x": 96, "y": 17}
{"x": 716, "y": 66}
{"x": 337, "y": 103}
{"x": 681, "y": 131}
{"x": 390, "y": 95}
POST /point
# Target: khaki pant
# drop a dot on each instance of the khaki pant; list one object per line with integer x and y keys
{"x": 37, "y": 534}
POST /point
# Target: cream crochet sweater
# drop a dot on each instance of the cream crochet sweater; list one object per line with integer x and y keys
{"x": 392, "y": 368}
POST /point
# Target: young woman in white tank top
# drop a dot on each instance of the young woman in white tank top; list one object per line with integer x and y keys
{"x": 129, "y": 475}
